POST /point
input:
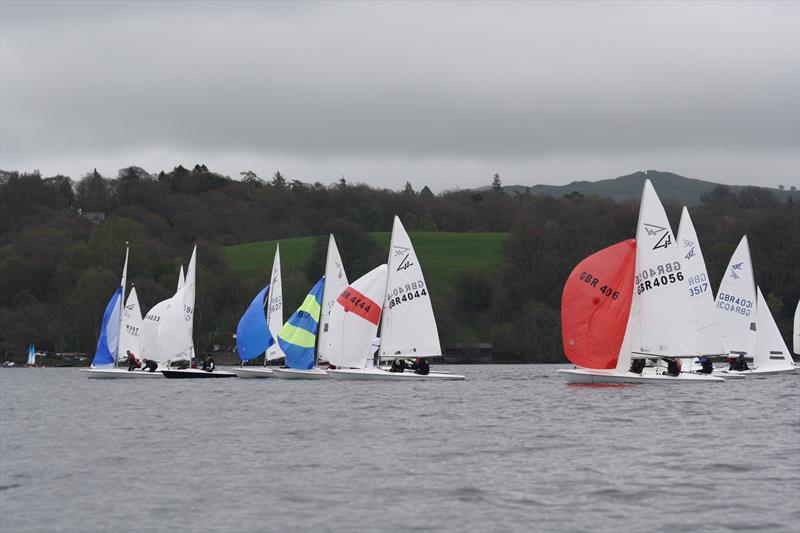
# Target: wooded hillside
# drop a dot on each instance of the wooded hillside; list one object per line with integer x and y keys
{"x": 62, "y": 247}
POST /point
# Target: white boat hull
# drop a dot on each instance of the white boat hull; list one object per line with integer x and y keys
{"x": 376, "y": 374}
{"x": 755, "y": 372}
{"x": 252, "y": 371}
{"x": 120, "y": 373}
{"x": 591, "y": 376}
{"x": 293, "y": 373}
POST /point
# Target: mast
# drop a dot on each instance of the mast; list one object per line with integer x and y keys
{"x": 121, "y": 303}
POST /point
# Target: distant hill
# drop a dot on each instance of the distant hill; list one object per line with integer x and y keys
{"x": 670, "y": 187}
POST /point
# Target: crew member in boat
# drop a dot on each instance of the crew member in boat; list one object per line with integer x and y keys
{"x": 421, "y": 366}
{"x": 673, "y": 366}
{"x": 638, "y": 365}
{"x": 149, "y": 365}
{"x": 740, "y": 363}
{"x": 398, "y": 365}
{"x": 133, "y": 363}
{"x": 706, "y": 366}
{"x": 208, "y": 364}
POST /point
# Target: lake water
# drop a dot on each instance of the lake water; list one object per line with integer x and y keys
{"x": 513, "y": 448}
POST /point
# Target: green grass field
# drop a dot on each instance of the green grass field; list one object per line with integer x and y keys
{"x": 442, "y": 254}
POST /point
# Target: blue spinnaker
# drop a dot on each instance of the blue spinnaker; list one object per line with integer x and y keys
{"x": 298, "y": 336}
{"x": 109, "y": 332}
{"x": 252, "y": 335}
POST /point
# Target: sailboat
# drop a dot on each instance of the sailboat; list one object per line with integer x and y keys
{"x": 31, "y": 360}
{"x": 407, "y": 325}
{"x": 748, "y": 327}
{"x": 660, "y": 323}
{"x": 260, "y": 329}
{"x": 109, "y": 345}
{"x": 176, "y": 327}
{"x": 335, "y": 282}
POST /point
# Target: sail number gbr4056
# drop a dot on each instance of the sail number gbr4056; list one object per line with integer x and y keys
{"x": 653, "y": 277}
{"x": 406, "y": 293}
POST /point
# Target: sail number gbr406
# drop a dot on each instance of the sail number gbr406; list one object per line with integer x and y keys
{"x": 653, "y": 277}
{"x": 398, "y": 295}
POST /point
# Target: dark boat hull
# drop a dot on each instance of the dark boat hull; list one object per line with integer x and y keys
{"x": 195, "y": 374}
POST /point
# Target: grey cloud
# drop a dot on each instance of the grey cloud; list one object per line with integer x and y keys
{"x": 376, "y": 88}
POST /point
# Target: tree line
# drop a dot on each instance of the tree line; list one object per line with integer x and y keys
{"x": 61, "y": 249}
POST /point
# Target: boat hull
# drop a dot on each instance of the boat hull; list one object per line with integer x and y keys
{"x": 191, "y": 373}
{"x": 293, "y": 373}
{"x": 119, "y": 373}
{"x": 375, "y": 374}
{"x": 252, "y": 372}
{"x": 591, "y": 376}
{"x": 755, "y": 372}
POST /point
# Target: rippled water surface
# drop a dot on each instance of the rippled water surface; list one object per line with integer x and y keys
{"x": 511, "y": 449}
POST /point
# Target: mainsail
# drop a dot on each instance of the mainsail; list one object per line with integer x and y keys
{"x": 595, "y": 306}
{"x": 709, "y": 337}
{"x": 658, "y": 325}
{"x": 736, "y": 303}
{"x": 796, "y": 329}
{"x": 298, "y": 336}
{"x": 335, "y": 283}
{"x": 771, "y": 351}
{"x": 131, "y": 327}
{"x": 252, "y": 335}
{"x": 408, "y": 327}
{"x": 354, "y": 320}
{"x": 275, "y": 307}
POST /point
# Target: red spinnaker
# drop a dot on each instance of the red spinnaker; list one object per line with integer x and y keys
{"x": 595, "y": 306}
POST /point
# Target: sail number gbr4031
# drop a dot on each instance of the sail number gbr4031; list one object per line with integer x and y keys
{"x": 653, "y": 277}
{"x": 406, "y": 293}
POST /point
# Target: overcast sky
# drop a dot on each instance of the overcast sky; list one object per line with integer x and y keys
{"x": 439, "y": 94}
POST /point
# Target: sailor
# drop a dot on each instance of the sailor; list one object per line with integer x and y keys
{"x": 398, "y": 365}
{"x": 638, "y": 365}
{"x": 132, "y": 362}
{"x": 421, "y": 366}
{"x": 208, "y": 364}
{"x": 149, "y": 365}
{"x": 740, "y": 363}
{"x": 673, "y": 367}
{"x": 706, "y": 366}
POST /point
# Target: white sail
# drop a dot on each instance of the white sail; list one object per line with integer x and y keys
{"x": 174, "y": 336}
{"x": 31, "y": 355}
{"x": 771, "y": 351}
{"x": 275, "y": 306}
{"x": 408, "y": 327}
{"x": 796, "y": 329}
{"x": 131, "y": 327}
{"x": 709, "y": 333}
{"x": 659, "y": 316}
{"x": 335, "y": 283}
{"x": 736, "y": 303}
{"x": 148, "y": 336}
{"x": 181, "y": 280}
{"x": 354, "y": 320}
{"x": 189, "y": 301}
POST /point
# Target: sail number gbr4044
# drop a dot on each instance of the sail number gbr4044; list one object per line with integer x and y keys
{"x": 653, "y": 277}
{"x": 406, "y": 293}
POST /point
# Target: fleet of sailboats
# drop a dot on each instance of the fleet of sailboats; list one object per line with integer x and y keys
{"x": 640, "y": 311}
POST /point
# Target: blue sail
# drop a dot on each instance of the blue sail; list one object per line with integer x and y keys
{"x": 109, "y": 332}
{"x": 252, "y": 335}
{"x": 298, "y": 336}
